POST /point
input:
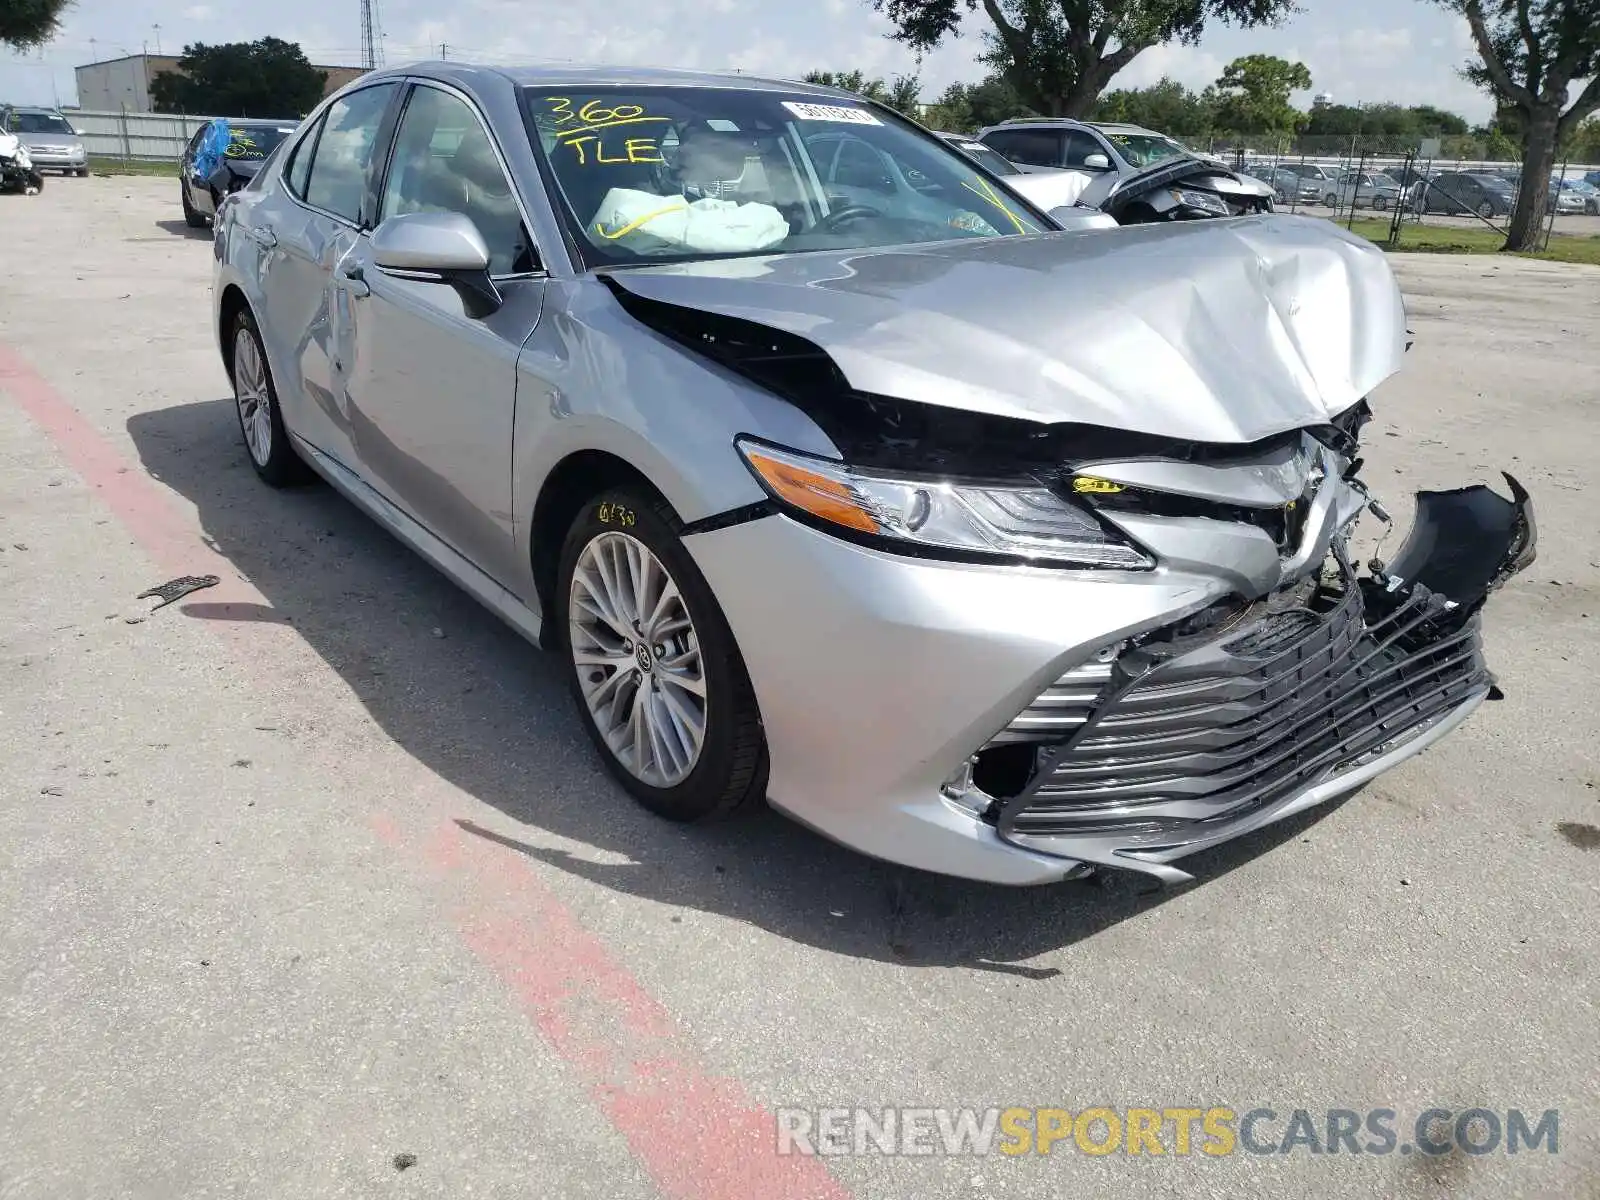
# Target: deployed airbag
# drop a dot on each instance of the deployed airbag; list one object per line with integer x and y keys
{"x": 643, "y": 221}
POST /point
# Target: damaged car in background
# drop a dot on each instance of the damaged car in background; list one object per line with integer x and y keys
{"x": 834, "y": 474}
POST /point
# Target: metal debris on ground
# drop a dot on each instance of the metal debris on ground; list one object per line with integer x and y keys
{"x": 177, "y": 589}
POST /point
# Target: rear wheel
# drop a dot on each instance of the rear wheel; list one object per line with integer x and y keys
{"x": 658, "y": 680}
{"x": 1486, "y": 210}
{"x": 192, "y": 216}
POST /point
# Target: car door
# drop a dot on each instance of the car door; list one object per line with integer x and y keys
{"x": 305, "y": 230}
{"x": 186, "y": 169}
{"x": 431, "y": 381}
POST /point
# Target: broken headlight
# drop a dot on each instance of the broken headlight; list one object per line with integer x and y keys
{"x": 1026, "y": 522}
{"x": 1204, "y": 201}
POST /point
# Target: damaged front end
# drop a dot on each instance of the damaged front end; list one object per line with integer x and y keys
{"x": 1190, "y": 734}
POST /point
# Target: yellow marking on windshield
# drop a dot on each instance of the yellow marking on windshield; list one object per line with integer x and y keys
{"x": 986, "y": 190}
{"x": 613, "y": 235}
{"x": 576, "y": 129}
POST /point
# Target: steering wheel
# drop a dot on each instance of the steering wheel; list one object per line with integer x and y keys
{"x": 841, "y": 216}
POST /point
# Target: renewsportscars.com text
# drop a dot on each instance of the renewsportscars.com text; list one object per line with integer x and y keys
{"x": 1215, "y": 1132}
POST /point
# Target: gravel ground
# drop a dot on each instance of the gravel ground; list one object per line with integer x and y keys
{"x": 311, "y": 886}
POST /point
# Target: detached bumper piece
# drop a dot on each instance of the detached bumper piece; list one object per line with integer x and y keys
{"x": 1200, "y": 734}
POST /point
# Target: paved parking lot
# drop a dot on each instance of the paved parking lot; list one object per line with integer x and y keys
{"x": 310, "y": 885}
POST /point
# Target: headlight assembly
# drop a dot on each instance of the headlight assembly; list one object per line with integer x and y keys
{"x": 1205, "y": 201}
{"x": 1027, "y": 522}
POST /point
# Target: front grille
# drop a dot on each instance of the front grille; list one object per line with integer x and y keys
{"x": 1061, "y": 709}
{"x": 1272, "y": 707}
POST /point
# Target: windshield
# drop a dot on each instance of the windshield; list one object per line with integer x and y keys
{"x": 993, "y": 159}
{"x": 252, "y": 143}
{"x": 656, "y": 174}
{"x": 1145, "y": 149}
{"x": 23, "y": 122}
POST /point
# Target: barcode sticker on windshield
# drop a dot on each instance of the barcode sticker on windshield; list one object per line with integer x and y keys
{"x": 831, "y": 112}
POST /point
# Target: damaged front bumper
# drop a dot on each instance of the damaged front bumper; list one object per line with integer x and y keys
{"x": 1022, "y": 726}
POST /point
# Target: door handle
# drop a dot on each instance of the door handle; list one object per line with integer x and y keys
{"x": 354, "y": 280}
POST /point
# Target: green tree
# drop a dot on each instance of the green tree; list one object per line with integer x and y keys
{"x": 1584, "y": 144}
{"x": 1530, "y": 52}
{"x": 1059, "y": 55}
{"x": 1436, "y": 122}
{"x": 268, "y": 78}
{"x": 25, "y": 24}
{"x": 1167, "y": 106}
{"x": 1252, "y": 95}
{"x": 901, "y": 94}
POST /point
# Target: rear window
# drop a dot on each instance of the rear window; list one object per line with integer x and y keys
{"x": 253, "y": 143}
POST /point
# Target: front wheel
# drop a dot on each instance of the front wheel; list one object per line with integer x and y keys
{"x": 256, "y": 401}
{"x": 1486, "y": 210}
{"x": 1331, "y": 200}
{"x": 659, "y": 683}
{"x": 1380, "y": 203}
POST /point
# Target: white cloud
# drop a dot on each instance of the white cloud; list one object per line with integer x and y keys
{"x": 200, "y": 12}
{"x": 1191, "y": 66}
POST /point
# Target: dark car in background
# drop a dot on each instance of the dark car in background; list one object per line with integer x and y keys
{"x": 1290, "y": 187}
{"x": 1467, "y": 192}
{"x": 222, "y": 156}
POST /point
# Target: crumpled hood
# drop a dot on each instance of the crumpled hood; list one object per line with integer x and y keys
{"x": 1218, "y": 331}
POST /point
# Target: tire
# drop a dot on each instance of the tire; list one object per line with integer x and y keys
{"x": 1380, "y": 203}
{"x": 192, "y": 216}
{"x": 645, "y": 745}
{"x": 83, "y": 172}
{"x": 255, "y": 403}
{"x": 1331, "y": 200}
{"x": 1486, "y": 210}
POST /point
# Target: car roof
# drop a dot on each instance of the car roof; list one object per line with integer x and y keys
{"x": 591, "y": 75}
{"x": 1122, "y": 127}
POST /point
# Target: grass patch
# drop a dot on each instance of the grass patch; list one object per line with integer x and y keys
{"x": 117, "y": 166}
{"x": 1439, "y": 239}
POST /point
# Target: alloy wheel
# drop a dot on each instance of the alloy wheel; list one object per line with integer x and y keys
{"x": 251, "y": 394}
{"x": 638, "y": 660}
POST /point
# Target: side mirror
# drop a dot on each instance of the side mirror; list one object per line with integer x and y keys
{"x": 438, "y": 247}
{"x": 1097, "y": 162}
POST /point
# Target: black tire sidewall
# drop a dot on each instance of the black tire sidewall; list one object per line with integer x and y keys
{"x": 283, "y": 466}
{"x": 705, "y": 792}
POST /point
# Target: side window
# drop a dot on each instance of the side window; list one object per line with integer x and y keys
{"x": 194, "y": 142}
{"x": 343, "y": 155}
{"x": 444, "y": 162}
{"x": 300, "y": 166}
{"x": 1035, "y": 147}
{"x": 1079, "y": 146}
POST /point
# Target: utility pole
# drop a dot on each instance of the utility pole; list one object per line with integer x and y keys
{"x": 444, "y": 52}
{"x": 371, "y": 36}
{"x": 157, "y": 28}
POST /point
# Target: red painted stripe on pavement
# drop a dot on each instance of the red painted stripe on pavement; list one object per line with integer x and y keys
{"x": 146, "y": 510}
{"x": 698, "y": 1136}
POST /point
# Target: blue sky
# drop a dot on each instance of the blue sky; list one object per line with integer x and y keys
{"x": 1367, "y": 50}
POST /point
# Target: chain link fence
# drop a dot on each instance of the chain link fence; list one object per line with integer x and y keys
{"x": 1449, "y": 182}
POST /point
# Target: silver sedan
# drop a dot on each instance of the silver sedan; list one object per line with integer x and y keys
{"x": 839, "y": 477}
